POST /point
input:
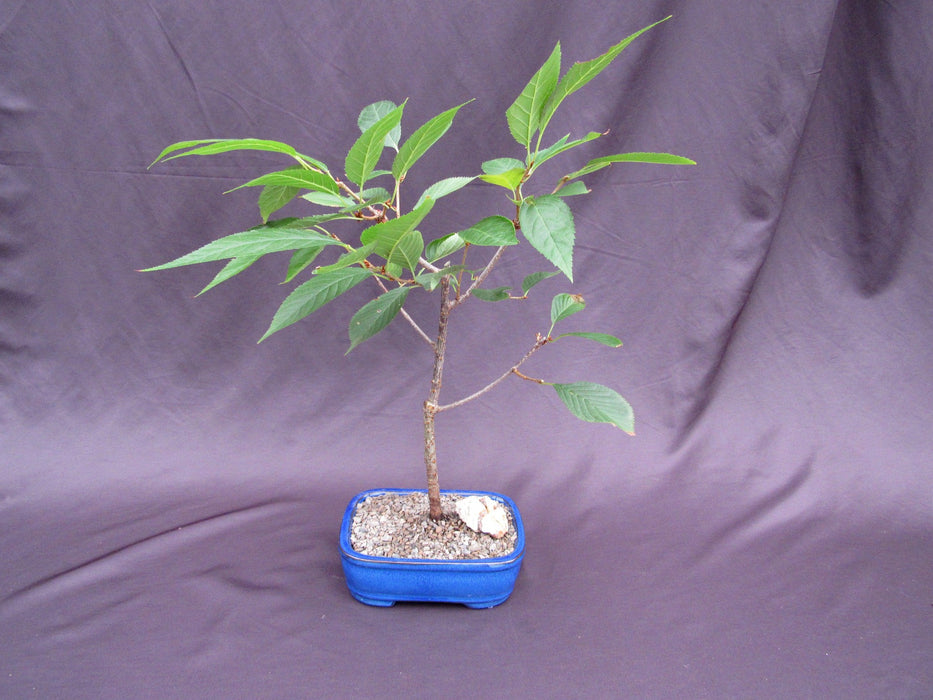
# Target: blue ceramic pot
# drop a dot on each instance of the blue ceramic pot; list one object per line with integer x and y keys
{"x": 476, "y": 583}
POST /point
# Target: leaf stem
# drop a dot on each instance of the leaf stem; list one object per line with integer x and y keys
{"x": 530, "y": 379}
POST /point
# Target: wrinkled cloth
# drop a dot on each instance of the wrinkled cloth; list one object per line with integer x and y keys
{"x": 170, "y": 491}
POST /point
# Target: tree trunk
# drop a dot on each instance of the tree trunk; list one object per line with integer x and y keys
{"x": 430, "y": 463}
{"x": 430, "y": 405}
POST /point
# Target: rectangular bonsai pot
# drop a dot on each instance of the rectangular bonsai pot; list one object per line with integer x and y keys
{"x": 476, "y": 583}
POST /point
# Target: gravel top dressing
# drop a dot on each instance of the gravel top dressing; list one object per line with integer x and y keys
{"x": 397, "y": 525}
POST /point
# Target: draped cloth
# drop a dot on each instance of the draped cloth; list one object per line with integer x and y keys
{"x": 170, "y": 491}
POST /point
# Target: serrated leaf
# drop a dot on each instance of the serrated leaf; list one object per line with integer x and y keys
{"x": 253, "y": 243}
{"x": 319, "y": 219}
{"x": 603, "y": 338}
{"x": 207, "y": 147}
{"x": 312, "y": 295}
{"x": 443, "y": 246}
{"x": 444, "y": 187}
{"x": 349, "y": 258}
{"x": 497, "y": 166}
{"x": 370, "y": 114}
{"x": 533, "y": 279}
{"x": 642, "y": 157}
{"x": 301, "y": 178}
{"x": 300, "y": 260}
{"x": 493, "y": 231}
{"x": 274, "y": 197}
{"x": 430, "y": 280}
{"x": 596, "y": 403}
{"x": 407, "y": 251}
{"x": 510, "y": 179}
{"x": 497, "y": 294}
{"x": 524, "y": 115}
{"x": 328, "y": 199}
{"x": 376, "y": 315}
{"x": 547, "y": 224}
{"x": 424, "y": 137}
{"x": 562, "y": 146}
{"x": 233, "y": 267}
{"x": 370, "y": 197}
{"x": 365, "y": 152}
{"x": 396, "y": 239}
{"x": 579, "y": 74}
{"x": 564, "y": 305}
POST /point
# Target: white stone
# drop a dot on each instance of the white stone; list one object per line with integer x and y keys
{"x": 483, "y": 514}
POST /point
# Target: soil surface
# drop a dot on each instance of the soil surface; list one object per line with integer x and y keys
{"x": 397, "y": 525}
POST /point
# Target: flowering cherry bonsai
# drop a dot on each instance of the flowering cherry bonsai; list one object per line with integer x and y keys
{"x": 391, "y": 252}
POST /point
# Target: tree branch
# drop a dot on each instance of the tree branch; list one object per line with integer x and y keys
{"x": 539, "y": 343}
{"x": 480, "y": 278}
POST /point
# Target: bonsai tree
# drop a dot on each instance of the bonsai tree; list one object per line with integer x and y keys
{"x": 391, "y": 252}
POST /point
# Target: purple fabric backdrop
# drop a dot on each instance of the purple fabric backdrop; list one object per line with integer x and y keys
{"x": 170, "y": 492}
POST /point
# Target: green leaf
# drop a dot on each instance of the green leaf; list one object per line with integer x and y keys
{"x": 493, "y": 230}
{"x": 603, "y": 161}
{"x": 328, "y": 199}
{"x": 497, "y": 294}
{"x": 563, "y": 145}
{"x": 406, "y": 252}
{"x": 370, "y": 197}
{"x": 509, "y": 179}
{"x": 574, "y": 188}
{"x": 301, "y": 259}
{"x": 533, "y": 279}
{"x": 497, "y": 166}
{"x": 364, "y": 154}
{"x": 318, "y": 219}
{"x": 524, "y": 114}
{"x": 253, "y": 243}
{"x": 312, "y": 295}
{"x": 274, "y": 197}
{"x": 579, "y": 74}
{"x": 376, "y": 315}
{"x": 301, "y": 178}
{"x": 430, "y": 280}
{"x": 350, "y": 258}
{"x": 396, "y": 239}
{"x": 603, "y": 338}
{"x": 443, "y": 246}
{"x": 564, "y": 305}
{"x": 215, "y": 146}
{"x": 234, "y": 267}
{"x": 370, "y": 114}
{"x": 444, "y": 187}
{"x": 597, "y": 404}
{"x": 424, "y": 137}
{"x": 547, "y": 224}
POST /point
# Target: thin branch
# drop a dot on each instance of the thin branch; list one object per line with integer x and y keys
{"x": 480, "y": 278}
{"x": 560, "y": 184}
{"x": 416, "y": 327}
{"x": 428, "y": 266}
{"x": 539, "y": 343}
{"x": 407, "y": 317}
